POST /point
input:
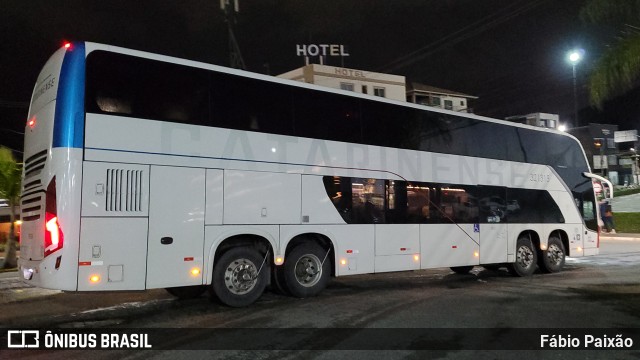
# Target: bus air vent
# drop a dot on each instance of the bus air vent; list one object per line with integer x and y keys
{"x": 124, "y": 190}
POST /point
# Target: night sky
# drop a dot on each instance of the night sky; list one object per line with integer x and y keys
{"x": 509, "y": 53}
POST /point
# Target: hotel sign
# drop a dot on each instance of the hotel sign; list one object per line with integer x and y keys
{"x": 320, "y": 50}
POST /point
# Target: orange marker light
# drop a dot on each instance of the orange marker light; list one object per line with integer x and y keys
{"x": 195, "y": 271}
{"x": 476, "y": 254}
{"x": 343, "y": 262}
{"x": 416, "y": 258}
{"x": 94, "y": 278}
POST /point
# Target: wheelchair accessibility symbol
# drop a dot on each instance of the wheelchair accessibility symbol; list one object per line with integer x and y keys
{"x": 476, "y": 228}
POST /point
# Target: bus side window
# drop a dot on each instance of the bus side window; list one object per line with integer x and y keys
{"x": 368, "y": 201}
{"x": 339, "y": 191}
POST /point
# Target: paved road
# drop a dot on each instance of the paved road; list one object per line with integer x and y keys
{"x": 628, "y": 203}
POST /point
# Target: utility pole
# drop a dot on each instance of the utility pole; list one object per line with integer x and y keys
{"x": 231, "y": 8}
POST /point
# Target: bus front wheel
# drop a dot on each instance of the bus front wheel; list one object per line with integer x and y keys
{"x": 240, "y": 277}
{"x": 307, "y": 269}
{"x": 526, "y": 258}
{"x": 552, "y": 260}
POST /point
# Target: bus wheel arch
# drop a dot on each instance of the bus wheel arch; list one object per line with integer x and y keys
{"x": 526, "y": 254}
{"x": 309, "y": 265}
{"x": 241, "y": 269}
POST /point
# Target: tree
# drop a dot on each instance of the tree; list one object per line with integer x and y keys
{"x": 10, "y": 183}
{"x": 618, "y": 70}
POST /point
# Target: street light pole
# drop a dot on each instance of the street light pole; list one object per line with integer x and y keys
{"x": 574, "y": 58}
{"x": 635, "y": 166}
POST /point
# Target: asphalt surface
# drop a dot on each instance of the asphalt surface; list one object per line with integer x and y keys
{"x": 627, "y": 203}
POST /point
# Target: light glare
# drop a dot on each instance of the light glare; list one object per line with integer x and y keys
{"x": 575, "y": 56}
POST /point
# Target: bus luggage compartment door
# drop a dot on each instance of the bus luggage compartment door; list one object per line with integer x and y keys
{"x": 176, "y": 227}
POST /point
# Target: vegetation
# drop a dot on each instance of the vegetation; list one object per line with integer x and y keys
{"x": 627, "y": 222}
{"x": 10, "y": 182}
{"x": 618, "y": 70}
{"x": 626, "y": 191}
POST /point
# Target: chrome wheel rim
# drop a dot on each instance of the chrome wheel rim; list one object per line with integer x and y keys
{"x": 555, "y": 254}
{"x": 524, "y": 257}
{"x": 240, "y": 276}
{"x": 308, "y": 270}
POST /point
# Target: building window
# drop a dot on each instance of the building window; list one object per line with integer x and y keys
{"x": 448, "y": 104}
{"x": 346, "y": 86}
{"x": 364, "y": 89}
{"x": 379, "y": 91}
{"x": 611, "y": 144}
{"x": 612, "y": 160}
{"x": 434, "y": 101}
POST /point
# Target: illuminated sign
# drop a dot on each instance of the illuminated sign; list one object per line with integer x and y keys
{"x": 321, "y": 50}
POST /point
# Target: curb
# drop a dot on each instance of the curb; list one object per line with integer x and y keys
{"x": 630, "y": 237}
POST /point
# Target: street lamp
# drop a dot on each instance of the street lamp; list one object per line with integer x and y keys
{"x": 574, "y": 58}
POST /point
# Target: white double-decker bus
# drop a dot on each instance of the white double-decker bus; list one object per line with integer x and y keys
{"x": 144, "y": 171}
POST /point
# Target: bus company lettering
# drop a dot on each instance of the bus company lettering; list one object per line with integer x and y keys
{"x": 48, "y": 84}
{"x": 320, "y": 50}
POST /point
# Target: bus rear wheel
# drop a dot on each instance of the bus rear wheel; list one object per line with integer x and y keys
{"x": 240, "y": 277}
{"x": 306, "y": 270}
{"x": 552, "y": 260}
{"x": 526, "y": 258}
{"x": 187, "y": 292}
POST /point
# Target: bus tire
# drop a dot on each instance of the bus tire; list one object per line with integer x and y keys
{"x": 277, "y": 280}
{"x": 526, "y": 258}
{"x": 461, "y": 269}
{"x": 552, "y": 260}
{"x": 187, "y": 292}
{"x": 238, "y": 280}
{"x": 305, "y": 274}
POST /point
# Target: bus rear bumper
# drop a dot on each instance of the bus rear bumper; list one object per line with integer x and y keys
{"x": 47, "y": 274}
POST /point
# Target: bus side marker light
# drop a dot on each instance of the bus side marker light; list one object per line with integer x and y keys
{"x": 94, "y": 278}
{"x": 32, "y": 122}
{"x": 343, "y": 262}
{"x": 416, "y": 258}
{"x": 476, "y": 254}
{"x": 543, "y": 247}
{"x": 195, "y": 271}
{"x": 279, "y": 260}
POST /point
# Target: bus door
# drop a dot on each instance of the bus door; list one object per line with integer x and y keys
{"x": 176, "y": 227}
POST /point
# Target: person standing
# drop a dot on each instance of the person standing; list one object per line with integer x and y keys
{"x": 607, "y": 216}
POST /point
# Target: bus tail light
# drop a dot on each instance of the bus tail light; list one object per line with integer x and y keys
{"x": 53, "y": 236}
